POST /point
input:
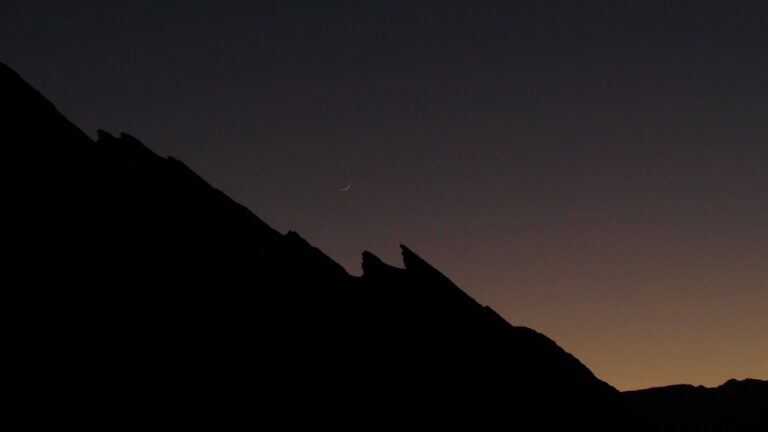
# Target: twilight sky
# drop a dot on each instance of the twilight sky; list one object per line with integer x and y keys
{"x": 595, "y": 170}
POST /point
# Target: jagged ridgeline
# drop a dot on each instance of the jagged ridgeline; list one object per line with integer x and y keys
{"x": 733, "y": 406}
{"x": 136, "y": 296}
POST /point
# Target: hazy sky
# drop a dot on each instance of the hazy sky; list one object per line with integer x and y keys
{"x": 594, "y": 170}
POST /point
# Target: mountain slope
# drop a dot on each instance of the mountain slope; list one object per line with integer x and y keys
{"x": 733, "y": 406}
{"x": 139, "y": 297}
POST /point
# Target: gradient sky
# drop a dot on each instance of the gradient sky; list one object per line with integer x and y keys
{"x": 594, "y": 170}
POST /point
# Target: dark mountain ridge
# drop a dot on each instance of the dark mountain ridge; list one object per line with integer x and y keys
{"x": 732, "y": 406}
{"x": 139, "y": 297}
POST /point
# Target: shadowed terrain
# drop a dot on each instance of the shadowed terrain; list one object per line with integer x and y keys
{"x": 733, "y": 406}
{"x": 136, "y": 296}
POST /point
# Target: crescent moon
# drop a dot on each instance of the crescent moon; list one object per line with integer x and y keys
{"x": 346, "y": 188}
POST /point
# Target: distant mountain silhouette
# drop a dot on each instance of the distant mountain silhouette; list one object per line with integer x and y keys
{"x": 733, "y": 406}
{"x": 136, "y": 296}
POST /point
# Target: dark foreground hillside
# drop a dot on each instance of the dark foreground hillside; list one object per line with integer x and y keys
{"x": 136, "y": 296}
{"x": 733, "y": 406}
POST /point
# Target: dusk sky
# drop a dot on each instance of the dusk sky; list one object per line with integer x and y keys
{"x": 595, "y": 170}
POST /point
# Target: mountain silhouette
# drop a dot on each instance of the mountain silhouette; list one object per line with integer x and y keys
{"x": 733, "y": 406}
{"x": 137, "y": 296}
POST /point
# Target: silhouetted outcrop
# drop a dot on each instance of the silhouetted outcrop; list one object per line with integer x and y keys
{"x": 139, "y": 297}
{"x": 734, "y": 406}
